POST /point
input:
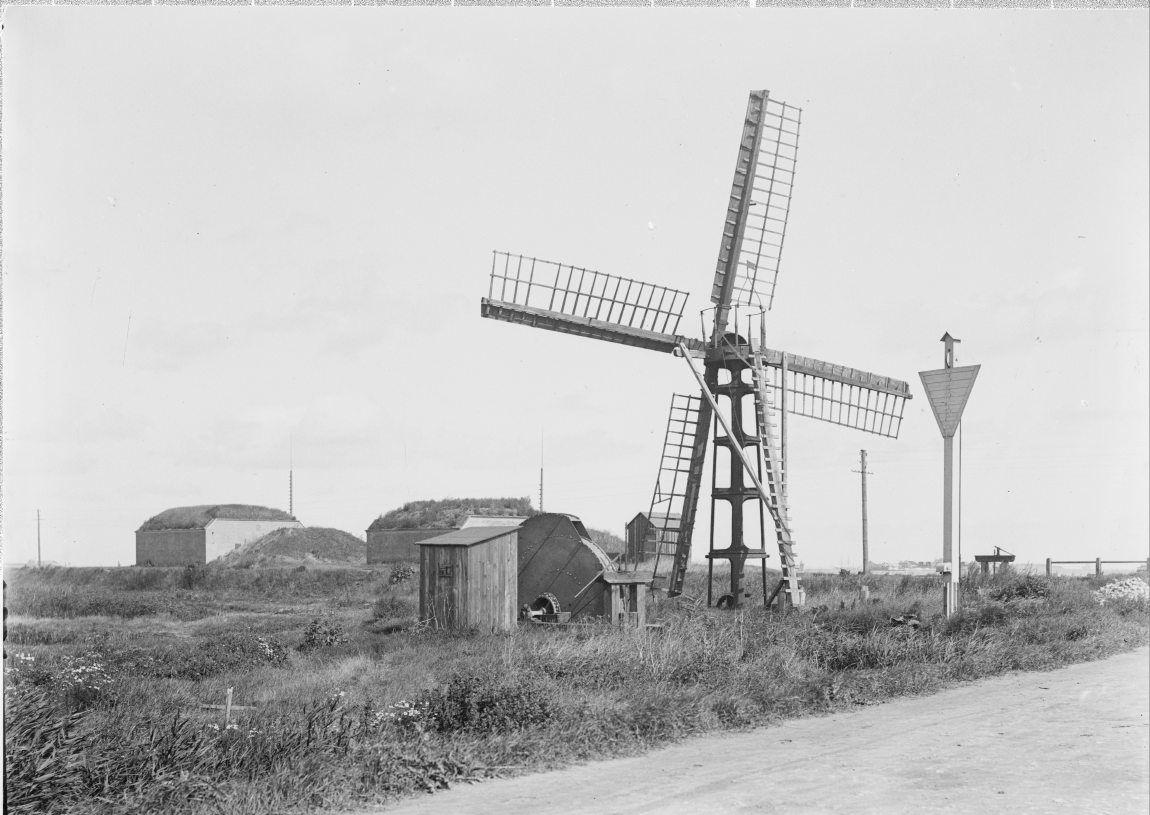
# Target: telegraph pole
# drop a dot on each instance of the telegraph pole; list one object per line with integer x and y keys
{"x": 291, "y": 476}
{"x": 863, "y": 470}
{"x": 540, "y": 470}
{"x": 38, "y": 562}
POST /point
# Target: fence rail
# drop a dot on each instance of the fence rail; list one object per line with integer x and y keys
{"x": 1097, "y": 562}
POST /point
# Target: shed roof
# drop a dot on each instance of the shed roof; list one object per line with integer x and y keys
{"x": 197, "y": 517}
{"x": 470, "y": 536}
{"x": 651, "y": 516}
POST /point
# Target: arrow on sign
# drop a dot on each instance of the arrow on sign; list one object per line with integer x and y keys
{"x": 947, "y": 390}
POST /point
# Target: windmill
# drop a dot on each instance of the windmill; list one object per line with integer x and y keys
{"x": 573, "y": 300}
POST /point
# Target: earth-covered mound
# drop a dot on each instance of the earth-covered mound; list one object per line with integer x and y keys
{"x": 450, "y": 513}
{"x": 309, "y": 545}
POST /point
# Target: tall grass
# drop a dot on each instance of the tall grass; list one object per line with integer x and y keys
{"x": 379, "y": 707}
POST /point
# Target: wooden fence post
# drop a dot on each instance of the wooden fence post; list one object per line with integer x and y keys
{"x": 1048, "y": 566}
{"x": 1097, "y": 567}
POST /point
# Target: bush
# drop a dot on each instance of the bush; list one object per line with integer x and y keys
{"x": 230, "y": 651}
{"x": 321, "y": 634}
{"x": 194, "y": 575}
{"x": 971, "y": 619}
{"x": 388, "y": 607}
{"x": 482, "y": 703}
{"x": 400, "y": 573}
{"x": 1026, "y": 586}
{"x": 1133, "y": 591}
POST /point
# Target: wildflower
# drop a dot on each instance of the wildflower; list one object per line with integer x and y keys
{"x": 1132, "y": 588}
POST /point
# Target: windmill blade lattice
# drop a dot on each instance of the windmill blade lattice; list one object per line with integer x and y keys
{"x": 760, "y": 202}
{"x": 574, "y": 300}
{"x": 677, "y": 485}
{"x": 837, "y": 394}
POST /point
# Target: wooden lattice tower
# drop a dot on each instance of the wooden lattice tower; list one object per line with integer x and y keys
{"x": 735, "y": 366}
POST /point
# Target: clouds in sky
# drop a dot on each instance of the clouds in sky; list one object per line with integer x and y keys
{"x": 225, "y": 229}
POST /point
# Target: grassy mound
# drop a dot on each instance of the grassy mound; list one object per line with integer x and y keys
{"x": 299, "y": 546}
{"x": 450, "y": 512}
{"x": 199, "y": 516}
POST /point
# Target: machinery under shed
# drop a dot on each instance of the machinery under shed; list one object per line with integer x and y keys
{"x": 563, "y": 573}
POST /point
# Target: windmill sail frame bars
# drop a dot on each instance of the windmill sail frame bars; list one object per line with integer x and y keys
{"x": 756, "y": 222}
{"x": 584, "y": 293}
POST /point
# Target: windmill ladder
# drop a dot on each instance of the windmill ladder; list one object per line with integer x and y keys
{"x": 776, "y": 484}
{"x": 673, "y": 504}
{"x": 790, "y": 582}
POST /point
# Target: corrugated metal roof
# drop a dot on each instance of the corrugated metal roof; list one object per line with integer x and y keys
{"x": 469, "y": 536}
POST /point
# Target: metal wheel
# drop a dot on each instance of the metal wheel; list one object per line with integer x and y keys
{"x": 547, "y": 603}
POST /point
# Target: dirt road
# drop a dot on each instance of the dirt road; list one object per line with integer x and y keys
{"x": 1069, "y": 741}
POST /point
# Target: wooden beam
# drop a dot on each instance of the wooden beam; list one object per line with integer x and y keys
{"x": 588, "y": 327}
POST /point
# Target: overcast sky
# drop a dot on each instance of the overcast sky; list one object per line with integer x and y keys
{"x": 228, "y": 228}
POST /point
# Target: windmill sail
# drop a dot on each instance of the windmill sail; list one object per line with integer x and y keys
{"x": 756, "y": 221}
{"x": 839, "y": 394}
{"x": 573, "y": 300}
{"x": 677, "y": 485}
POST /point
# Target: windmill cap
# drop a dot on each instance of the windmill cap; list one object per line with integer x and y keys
{"x": 947, "y": 336}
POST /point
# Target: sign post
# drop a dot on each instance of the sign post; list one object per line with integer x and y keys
{"x": 947, "y": 390}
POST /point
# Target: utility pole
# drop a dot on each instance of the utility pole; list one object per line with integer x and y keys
{"x": 38, "y": 562}
{"x": 540, "y": 470}
{"x": 863, "y": 470}
{"x": 291, "y": 476}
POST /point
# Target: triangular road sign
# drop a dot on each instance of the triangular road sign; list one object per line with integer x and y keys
{"x": 947, "y": 389}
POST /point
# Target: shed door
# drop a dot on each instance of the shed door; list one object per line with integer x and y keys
{"x": 444, "y": 581}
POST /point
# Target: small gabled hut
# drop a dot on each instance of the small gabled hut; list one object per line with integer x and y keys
{"x": 640, "y": 535}
{"x": 467, "y": 579}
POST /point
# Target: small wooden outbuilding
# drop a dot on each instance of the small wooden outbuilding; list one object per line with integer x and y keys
{"x": 467, "y": 579}
{"x": 641, "y": 532}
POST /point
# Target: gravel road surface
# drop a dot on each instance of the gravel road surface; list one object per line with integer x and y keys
{"x": 1075, "y": 740}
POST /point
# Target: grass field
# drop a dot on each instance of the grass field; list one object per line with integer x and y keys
{"x": 344, "y": 699}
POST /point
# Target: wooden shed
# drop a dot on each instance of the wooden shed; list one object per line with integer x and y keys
{"x": 467, "y": 579}
{"x": 641, "y": 532}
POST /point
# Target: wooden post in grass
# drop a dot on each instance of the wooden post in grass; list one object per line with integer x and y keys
{"x": 228, "y": 709}
{"x": 1097, "y": 567}
{"x": 1049, "y": 567}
